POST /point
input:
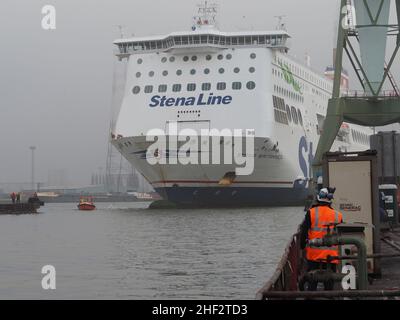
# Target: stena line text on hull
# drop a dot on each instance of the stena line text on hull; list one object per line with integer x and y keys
{"x": 201, "y": 100}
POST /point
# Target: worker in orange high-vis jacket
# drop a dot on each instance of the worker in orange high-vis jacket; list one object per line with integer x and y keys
{"x": 316, "y": 223}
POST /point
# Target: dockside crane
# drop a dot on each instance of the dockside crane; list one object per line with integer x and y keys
{"x": 366, "y": 21}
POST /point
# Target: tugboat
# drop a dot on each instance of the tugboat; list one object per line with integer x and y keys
{"x": 86, "y": 204}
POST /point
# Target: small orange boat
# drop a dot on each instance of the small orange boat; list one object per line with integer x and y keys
{"x": 86, "y": 203}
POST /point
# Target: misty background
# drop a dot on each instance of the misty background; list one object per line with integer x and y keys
{"x": 56, "y": 86}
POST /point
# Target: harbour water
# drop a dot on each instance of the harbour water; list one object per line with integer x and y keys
{"x": 126, "y": 251}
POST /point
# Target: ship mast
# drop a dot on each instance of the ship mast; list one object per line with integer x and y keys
{"x": 206, "y": 16}
{"x": 281, "y": 25}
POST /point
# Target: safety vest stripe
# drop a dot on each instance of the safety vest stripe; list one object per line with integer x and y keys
{"x": 316, "y": 228}
{"x": 333, "y": 248}
{"x": 319, "y": 229}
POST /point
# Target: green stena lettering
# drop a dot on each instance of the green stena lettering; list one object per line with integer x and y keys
{"x": 288, "y": 75}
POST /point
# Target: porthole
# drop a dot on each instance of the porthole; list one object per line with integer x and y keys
{"x": 194, "y": 58}
{"x": 193, "y": 72}
{"x": 220, "y": 57}
{"x": 151, "y": 74}
{"x": 221, "y": 86}
{"x": 185, "y": 58}
{"x": 251, "y": 85}
{"x": 179, "y": 72}
{"x": 252, "y": 70}
{"x": 136, "y": 90}
{"x": 148, "y": 89}
{"x": 206, "y": 71}
{"x": 253, "y": 56}
{"x": 206, "y": 86}
{"x": 228, "y": 56}
{"x": 208, "y": 57}
{"x": 165, "y": 73}
{"x": 138, "y": 74}
{"x": 140, "y": 61}
{"x": 164, "y": 60}
{"x": 191, "y": 87}
{"x": 176, "y": 87}
{"x": 172, "y": 59}
{"x": 236, "y": 70}
{"x": 221, "y": 70}
{"x": 236, "y": 85}
{"x": 162, "y": 88}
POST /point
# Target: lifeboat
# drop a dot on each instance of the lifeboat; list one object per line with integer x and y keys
{"x": 86, "y": 204}
{"x": 344, "y": 130}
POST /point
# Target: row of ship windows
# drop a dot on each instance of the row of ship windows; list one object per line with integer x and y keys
{"x": 185, "y": 40}
{"x": 280, "y": 74}
{"x": 357, "y": 136}
{"x": 285, "y": 114}
{"x": 304, "y": 74}
{"x": 162, "y": 88}
{"x": 289, "y": 94}
{"x": 206, "y": 71}
{"x": 360, "y": 137}
{"x": 321, "y": 94}
{"x": 195, "y": 58}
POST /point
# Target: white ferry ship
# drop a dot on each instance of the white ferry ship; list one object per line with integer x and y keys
{"x": 258, "y": 86}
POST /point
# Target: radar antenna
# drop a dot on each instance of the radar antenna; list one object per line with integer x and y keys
{"x": 120, "y": 28}
{"x": 281, "y": 25}
{"x": 206, "y": 16}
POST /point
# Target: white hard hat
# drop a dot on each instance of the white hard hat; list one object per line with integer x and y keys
{"x": 325, "y": 196}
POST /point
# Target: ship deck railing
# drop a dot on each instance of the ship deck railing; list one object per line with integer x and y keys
{"x": 289, "y": 269}
{"x": 363, "y": 94}
{"x": 189, "y": 42}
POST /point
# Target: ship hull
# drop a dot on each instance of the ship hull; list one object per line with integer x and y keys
{"x": 86, "y": 207}
{"x": 275, "y": 180}
{"x": 233, "y": 196}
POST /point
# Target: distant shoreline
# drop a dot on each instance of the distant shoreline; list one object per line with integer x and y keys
{"x": 75, "y": 198}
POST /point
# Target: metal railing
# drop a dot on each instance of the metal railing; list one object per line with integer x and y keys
{"x": 363, "y": 94}
{"x": 218, "y": 41}
{"x": 284, "y": 283}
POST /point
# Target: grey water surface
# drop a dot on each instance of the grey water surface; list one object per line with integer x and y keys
{"x": 126, "y": 251}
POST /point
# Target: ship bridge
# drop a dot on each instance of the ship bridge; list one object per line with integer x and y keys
{"x": 203, "y": 40}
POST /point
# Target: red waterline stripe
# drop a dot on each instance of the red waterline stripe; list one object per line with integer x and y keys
{"x": 234, "y": 182}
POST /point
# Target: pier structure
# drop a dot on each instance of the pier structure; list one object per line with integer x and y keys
{"x": 363, "y": 23}
{"x": 20, "y": 208}
{"x": 363, "y": 34}
{"x": 284, "y": 283}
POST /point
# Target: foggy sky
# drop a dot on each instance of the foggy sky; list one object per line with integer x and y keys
{"x": 55, "y": 86}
